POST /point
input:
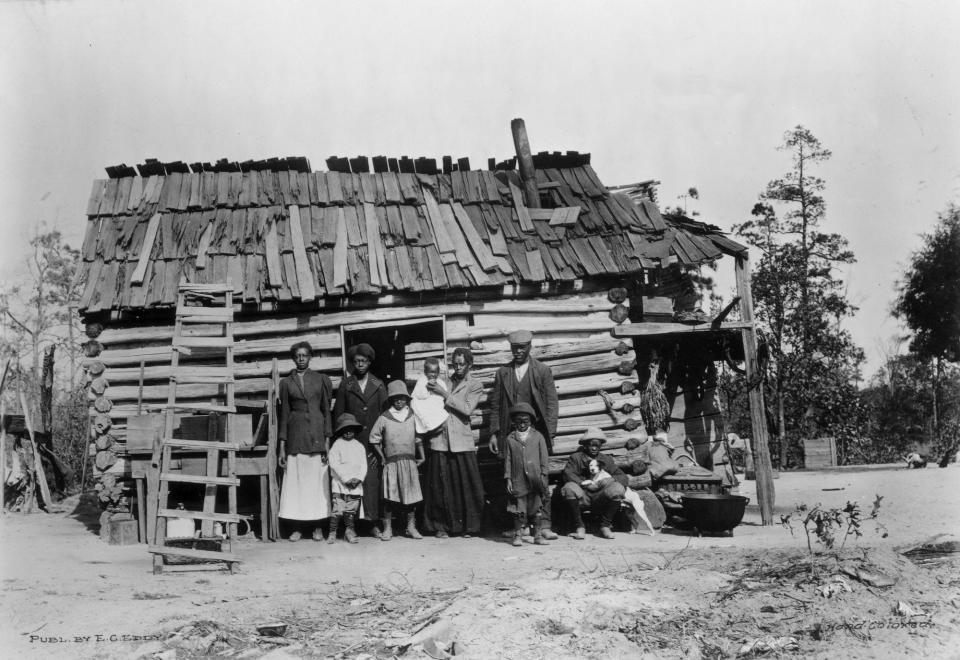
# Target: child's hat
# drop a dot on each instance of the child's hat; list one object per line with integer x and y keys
{"x": 397, "y": 388}
{"x": 346, "y": 421}
{"x": 593, "y": 433}
{"x": 522, "y": 407}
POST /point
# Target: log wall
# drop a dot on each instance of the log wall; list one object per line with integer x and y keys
{"x": 571, "y": 335}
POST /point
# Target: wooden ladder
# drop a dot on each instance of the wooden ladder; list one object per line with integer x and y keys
{"x": 161, "y": 474}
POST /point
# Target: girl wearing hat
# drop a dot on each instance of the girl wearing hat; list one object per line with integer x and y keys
{"x": 303, "y": 430}
{"x": 348, "y": 467}
{"x": 364, "y": 396}
{"x": 525, "y": 464}
{"x": 394, "y": 438}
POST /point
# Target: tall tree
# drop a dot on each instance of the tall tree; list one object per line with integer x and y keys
{"x": 40, "y": 309}
{"x": 799, "y": 299}
{"x": 929, "y": 303}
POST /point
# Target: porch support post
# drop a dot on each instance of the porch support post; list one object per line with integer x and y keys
{"x": 758, "y": 416}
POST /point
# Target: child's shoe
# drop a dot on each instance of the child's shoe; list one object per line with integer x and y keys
{"x": 517, "y": 540}
{"x": 332, "y": 532}
{"x": 412, "y": 526}
{"x": 348, "y": 533}
{"x": 317, "y": 534}
{"x": 295, "y": 536}
{"x": 539, "y": 536}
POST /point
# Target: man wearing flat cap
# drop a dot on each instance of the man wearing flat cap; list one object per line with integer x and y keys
{"x": 524, "y": 380}
{"x": 603, "y": 501}
{"x": 364, "y": 396}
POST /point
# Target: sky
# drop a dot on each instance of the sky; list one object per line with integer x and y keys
{"x": 687, "y": 93}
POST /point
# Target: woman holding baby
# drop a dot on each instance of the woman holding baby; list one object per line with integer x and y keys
{"x": 453, "y": 492}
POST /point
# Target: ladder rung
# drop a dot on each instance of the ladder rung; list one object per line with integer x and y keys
{"x": 205, "y": 288}
{"x": 194, "y": 554}
{"x": 203, "y": 445}
{"x": 197, "y": 379}
{"x": 205, "y": 311}
{"x": 199, "y": 515}
{"x": 190, "y": 318}
{"x": 201, "y": 370}
{"x": 203, "y": 342}
{"x": 206, "y": 407}
{"x": 199, "y": 479}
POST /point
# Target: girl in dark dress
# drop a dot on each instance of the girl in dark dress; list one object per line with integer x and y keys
{"x": 364, "y": 396}
{"x": 453, "y": 493}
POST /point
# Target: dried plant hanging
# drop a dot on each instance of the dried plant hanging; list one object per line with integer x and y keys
{"x": 654, "y": 406}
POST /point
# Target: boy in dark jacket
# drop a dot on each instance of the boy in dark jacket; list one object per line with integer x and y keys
{"x": 525, "y": 464}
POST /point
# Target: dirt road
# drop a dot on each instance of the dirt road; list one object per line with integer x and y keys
{"x": 68, "y": 595}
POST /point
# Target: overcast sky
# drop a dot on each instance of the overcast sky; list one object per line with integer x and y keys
{"x": 689, "y": 93}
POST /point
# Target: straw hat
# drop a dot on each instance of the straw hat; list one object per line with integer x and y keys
{"x": 592, "y": 433}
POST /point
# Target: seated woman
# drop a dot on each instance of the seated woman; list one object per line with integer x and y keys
{"x": 603, "y": 498}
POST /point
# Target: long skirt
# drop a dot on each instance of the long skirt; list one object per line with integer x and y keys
{"x": 371, "y": 488}
{"x": 453, "y": 493}
{"x": 305, "y": 494}
{"x": 401, "y": 481}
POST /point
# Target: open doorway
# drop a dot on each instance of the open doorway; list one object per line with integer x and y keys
{"x": 401, "y": 346}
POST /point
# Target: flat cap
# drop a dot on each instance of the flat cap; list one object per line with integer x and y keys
{"x": 520, "y": 337}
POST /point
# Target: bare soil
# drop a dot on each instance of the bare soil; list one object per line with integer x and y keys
{"x": 66, "y": 594}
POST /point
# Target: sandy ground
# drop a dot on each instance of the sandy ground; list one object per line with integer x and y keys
{"x": 66, "y": 594}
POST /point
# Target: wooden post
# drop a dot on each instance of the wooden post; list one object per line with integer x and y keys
{"x": 758, "y": 415}
{"x": 525, "y": 159}
{"x": 38, "y": 471}
{"x": 3, "y": 448}
{"x": 271, "y": 528}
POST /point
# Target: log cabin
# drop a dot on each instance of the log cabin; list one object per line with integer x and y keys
{"x": 414, "y": 259}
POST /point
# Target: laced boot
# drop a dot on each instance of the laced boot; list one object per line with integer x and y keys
{"x": 581, "y": 531}
{"x": 332, "y": 532}
{"x": 517, "y": 532}
{"x": 349, "y": 533}
{"x": 412, "y": 525}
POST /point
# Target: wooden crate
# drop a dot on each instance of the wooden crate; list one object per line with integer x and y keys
{"x": 819, "y": 453}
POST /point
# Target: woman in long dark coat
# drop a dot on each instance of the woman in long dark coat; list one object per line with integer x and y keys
{"x": 453, "y": 496}
{"x": 364, "y": 396}
{"x": 304, "y": 433}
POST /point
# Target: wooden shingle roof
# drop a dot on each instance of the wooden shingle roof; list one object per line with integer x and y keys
{"x": 293, "y": 236}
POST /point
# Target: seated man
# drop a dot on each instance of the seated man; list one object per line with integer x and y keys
{"x": 580, "y": 490}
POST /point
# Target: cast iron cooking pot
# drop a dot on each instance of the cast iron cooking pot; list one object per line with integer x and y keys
{"x": 714, "y": 513}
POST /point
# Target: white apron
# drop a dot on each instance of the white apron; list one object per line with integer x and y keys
{"x": 305, "y": 494}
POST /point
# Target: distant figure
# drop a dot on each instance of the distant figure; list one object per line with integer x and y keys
{"x": 916, "y": 461}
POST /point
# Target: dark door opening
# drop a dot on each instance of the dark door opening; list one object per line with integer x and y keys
{"x": 400, "y": 346}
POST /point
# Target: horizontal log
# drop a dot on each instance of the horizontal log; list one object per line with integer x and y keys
{"x": 566, "y": 385}
{"x": 268, "y": 324}
{"x": 544, "y": 351}
{"x": 556, "y": 325}
{"x": 151, "y": 353}
{"x": 654, "y": 329}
